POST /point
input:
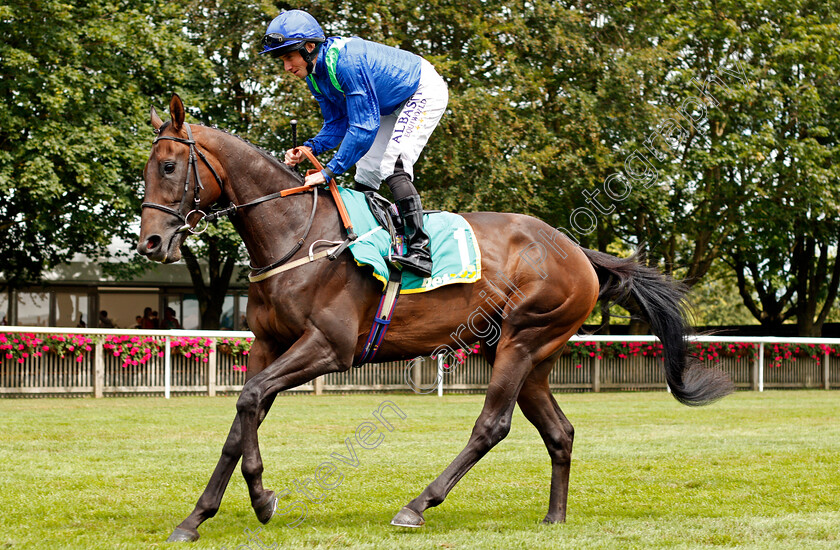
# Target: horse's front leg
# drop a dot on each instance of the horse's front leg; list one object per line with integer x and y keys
{"x": 313, "y": 355}
{"x": 210, "y": 500}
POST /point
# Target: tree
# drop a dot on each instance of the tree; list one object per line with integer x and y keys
{"x": 741, "y": 103}
{"x": 251, "y": 99}
{"x": 717, "y": 301}
{"x": 222, "y": 251}
{"x": 785, "y": 255}
{"x": 76, "y": 81}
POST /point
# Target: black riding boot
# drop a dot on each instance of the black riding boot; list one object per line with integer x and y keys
{"x": 417, "y": 259}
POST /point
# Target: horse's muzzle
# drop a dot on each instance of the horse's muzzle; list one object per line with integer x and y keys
{"x": 158, "y": 249}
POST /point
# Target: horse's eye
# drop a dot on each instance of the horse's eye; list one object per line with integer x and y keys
{"x": 168, "y": 167}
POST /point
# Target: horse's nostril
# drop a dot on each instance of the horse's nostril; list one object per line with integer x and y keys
{"x": 152, "y": 242}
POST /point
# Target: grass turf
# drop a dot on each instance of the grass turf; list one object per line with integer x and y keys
{"x": 751, "y": 471}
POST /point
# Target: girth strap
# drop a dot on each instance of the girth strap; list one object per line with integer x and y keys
{"x": 382, "y": 319}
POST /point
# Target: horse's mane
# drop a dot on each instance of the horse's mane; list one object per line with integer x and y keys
{"x": 273, "y": 160}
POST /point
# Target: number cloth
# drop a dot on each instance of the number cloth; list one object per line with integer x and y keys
{"x": 455, "y": 253}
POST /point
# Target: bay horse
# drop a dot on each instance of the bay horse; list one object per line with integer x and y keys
{"x": 313, "y": 320}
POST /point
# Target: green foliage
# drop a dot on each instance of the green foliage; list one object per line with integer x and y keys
{"x": 784, "y": 141}
{"x": 716, "y": 301}
{"x": 547, "y": 100}
{"x": 76, "y": 81}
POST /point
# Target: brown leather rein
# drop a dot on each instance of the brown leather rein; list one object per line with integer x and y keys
{"x": 192, "y": 169}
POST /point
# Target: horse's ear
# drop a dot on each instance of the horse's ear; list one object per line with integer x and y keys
{"x": 177, "y": 112}
{"x": 155, "y": 121}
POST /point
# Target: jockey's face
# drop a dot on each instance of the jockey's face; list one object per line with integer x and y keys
{"x": 293, "y": 62}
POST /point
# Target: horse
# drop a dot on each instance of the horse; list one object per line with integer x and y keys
{"x": 313, "y": 320}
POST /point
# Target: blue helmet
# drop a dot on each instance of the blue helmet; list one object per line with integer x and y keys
{"x": 290, "y": 31}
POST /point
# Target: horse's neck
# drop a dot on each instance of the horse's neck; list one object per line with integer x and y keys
{"x": 270, "y": 229}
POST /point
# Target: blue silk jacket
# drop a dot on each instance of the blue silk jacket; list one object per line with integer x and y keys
{"x": 355, "y": 81}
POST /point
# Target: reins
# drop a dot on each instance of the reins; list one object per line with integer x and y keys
{"x": 257, "y": 274}
{"x": 262, "y": 273}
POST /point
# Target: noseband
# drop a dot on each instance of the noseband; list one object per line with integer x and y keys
{"x": 192, "y": 168}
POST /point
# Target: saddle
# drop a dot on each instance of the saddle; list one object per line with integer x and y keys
{"x": 386, "y": 214}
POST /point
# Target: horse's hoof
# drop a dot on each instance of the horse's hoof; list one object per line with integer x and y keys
{"x": 408, "y": 518}
{"x": 266, "y": 511}
{"x": 182, "y": 535}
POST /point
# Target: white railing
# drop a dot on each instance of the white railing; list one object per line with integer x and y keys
{"x": 99, "y": 372}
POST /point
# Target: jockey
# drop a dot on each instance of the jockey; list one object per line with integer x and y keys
{"x": 379, "y": 103}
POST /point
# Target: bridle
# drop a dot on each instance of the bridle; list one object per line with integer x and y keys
{"x": 192, "y": 167}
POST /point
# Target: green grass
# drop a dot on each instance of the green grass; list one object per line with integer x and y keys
{"x": 752, "y": 471}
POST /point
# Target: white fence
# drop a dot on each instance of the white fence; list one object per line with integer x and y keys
{"x": 599, "y": 363}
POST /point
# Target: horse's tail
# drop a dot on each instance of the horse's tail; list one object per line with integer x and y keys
{"x": 663, "y": 302}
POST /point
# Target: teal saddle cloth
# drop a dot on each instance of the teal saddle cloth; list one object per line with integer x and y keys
{"x": 456, "y": 257}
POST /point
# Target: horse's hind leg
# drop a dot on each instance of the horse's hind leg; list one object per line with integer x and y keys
{"x": 492, "y": 426}
{"x": 538, "y": 406}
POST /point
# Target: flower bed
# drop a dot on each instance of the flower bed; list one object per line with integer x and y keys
{"x": 20, "y": 346}
{"x": 239, "y": 348}
{"x": 780, "y": 353}
{"x": 581, "y": 351}
{"x": 138, "y": 350}
{"x": 130, "y": 349}
{"x": 705, "y": 351}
